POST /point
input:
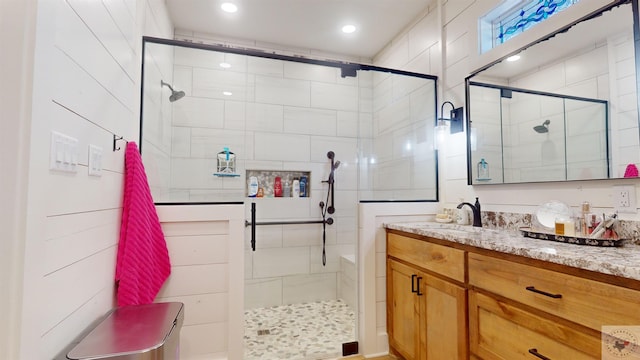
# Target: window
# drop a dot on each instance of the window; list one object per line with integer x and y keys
{"x": 513, "y": 17}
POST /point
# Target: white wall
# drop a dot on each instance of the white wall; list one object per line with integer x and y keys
{"x": 86, "y": 85}
{"x": 16, "y": 64}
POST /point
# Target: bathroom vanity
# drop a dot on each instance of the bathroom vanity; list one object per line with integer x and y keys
{"x": 458, "y": 292}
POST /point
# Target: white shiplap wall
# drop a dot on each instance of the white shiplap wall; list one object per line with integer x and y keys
{"x": 206, "y": 248}
{"x": 86, "y": 85}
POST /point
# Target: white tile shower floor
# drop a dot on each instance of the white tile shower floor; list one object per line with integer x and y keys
{"x": 309, "y": 331}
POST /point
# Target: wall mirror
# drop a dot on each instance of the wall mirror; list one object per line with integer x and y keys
{"x": 566, "y": 110}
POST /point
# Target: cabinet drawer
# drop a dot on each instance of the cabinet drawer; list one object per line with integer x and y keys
{"x": 587, "y": 302}
{"x": 502, "y": 331}
{"x": 437, "y": 258}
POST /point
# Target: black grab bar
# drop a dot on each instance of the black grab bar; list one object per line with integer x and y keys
{"x": 253, "y": 223}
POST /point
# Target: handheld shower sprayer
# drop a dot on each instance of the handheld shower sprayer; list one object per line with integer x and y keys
{"x": 334, "y": 165}
{"x": 328, "y": 207}
{"x": 175, "y": 95}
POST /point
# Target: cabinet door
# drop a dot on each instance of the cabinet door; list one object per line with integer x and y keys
{"x": 403, "y": 309}
{"x": 446, "y": 320}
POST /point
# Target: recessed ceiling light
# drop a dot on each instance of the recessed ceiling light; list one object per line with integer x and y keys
{"x": 229, "y": 7}
{"x": 225, "y": 65}
{"x": 227, "y": 93}
{"x": 348, "y": 29}
{"x": 513, "y": 58}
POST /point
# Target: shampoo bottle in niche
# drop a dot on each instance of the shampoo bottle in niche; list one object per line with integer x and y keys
{"x": 252, "y": 191}
{"x": 277, "y": 187}
{"x": 295, "y": 191}
{"x": 483, "y": 170}
{"x": 303, "y": 186}
{"x": 286, "y": 192}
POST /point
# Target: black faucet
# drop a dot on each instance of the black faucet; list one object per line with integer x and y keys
{"x": 477, "y": 219}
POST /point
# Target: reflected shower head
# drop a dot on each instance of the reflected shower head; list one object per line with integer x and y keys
{"x": 544, "y": 128}
{"x": 175, "y": 95}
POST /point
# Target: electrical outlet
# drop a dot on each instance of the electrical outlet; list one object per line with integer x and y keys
{"x": 624, "y": 199}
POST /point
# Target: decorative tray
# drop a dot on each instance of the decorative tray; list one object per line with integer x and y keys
{"x": 535, "y": 234}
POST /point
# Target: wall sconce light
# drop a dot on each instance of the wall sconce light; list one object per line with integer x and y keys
{"x": 455, "y": 118}
{"x": 454, "y": 126}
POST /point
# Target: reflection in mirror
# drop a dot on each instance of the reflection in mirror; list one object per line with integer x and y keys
{"x": 524, "y": 136}
{"x": 567, "y": 110}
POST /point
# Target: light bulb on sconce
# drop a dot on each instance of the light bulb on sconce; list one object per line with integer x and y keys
{"x": 454, "y": 126}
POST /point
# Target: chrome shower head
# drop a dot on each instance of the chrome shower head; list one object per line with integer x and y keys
{"x": 544, "y": 128}
{"x": 175, "y": 95}
{"x": 336, "y": 164}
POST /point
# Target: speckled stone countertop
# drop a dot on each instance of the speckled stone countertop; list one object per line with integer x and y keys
{"x": 623, "y": 261}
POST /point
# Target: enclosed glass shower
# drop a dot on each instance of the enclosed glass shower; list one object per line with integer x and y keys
{"x": 300, "y": 143}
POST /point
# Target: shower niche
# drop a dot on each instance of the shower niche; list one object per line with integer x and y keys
{"x": 267, "y": 183}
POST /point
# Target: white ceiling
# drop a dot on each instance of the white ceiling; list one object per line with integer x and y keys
{"x": 307, "y": 24}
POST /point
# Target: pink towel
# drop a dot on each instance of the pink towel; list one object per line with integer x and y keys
{"x": 631, "y": 171}
{"x": 143, "y": 259}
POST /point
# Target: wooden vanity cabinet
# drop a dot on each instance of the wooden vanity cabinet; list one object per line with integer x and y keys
{"x": 462, "y": 302}
{"x": 519, "y": 311}
{"x": 426, "y": 309}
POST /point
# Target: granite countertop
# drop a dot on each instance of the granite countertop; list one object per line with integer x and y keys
{"x": 623, "y": 261}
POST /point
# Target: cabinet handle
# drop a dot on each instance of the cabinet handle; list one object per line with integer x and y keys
{"x": 535, "y": 353}
{"x": 413, "y": 283}
{"x": 533, "y": 289}
{"x": 418, "y": 283}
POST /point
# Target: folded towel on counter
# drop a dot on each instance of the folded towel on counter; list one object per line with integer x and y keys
{"x": 143, "y": 259}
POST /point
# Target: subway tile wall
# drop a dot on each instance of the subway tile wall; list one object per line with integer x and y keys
{"x": 281, "y": 116}
{"x": 286, "y": 116}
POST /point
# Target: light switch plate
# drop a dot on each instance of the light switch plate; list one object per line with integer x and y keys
{"x": 95, "y": 160}
{"x": 64, "y": 153}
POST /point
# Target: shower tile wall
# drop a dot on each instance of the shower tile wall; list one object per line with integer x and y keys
{"x": 157, "y": 115}
{"x": 281, "y": 116}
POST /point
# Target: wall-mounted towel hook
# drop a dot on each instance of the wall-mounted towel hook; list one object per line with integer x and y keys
{"x": 117, "y": 138}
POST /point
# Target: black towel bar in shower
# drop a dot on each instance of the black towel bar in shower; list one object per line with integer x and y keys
{"x": 253, "y": 223}
{"x": 300, "y": 222}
